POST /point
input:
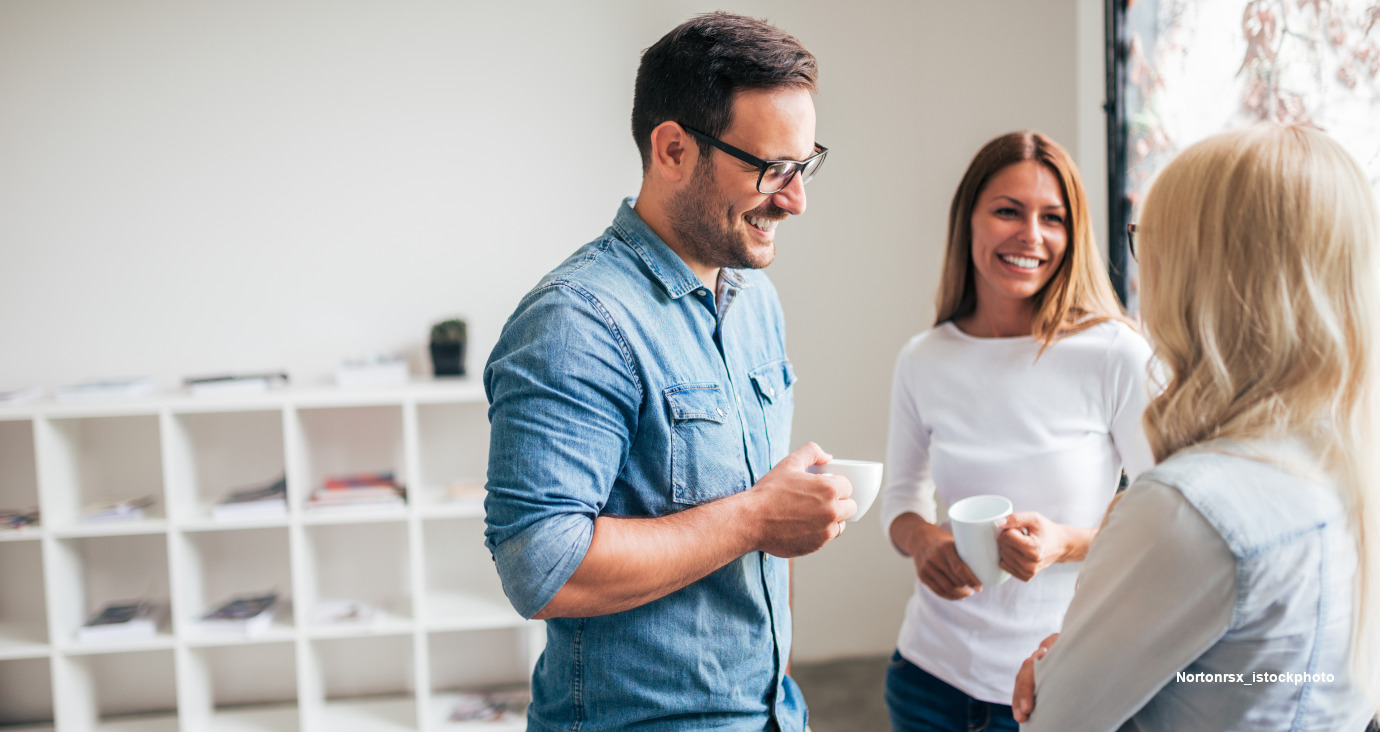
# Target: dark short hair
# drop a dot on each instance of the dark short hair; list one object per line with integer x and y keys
{"x": 692, "y": 73}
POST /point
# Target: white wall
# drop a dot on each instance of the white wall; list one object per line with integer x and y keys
{"x": 201, "y": 187}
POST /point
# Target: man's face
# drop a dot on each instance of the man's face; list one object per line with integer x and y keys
{"x": 719, "y": 218}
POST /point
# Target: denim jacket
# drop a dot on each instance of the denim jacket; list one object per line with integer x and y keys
{"x": 1291, "y": 624}
{"x": 621, "y": 386}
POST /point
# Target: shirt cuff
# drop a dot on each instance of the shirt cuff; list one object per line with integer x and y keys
{"x": 535, "y": 563}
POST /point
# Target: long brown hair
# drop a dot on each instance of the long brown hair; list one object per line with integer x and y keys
{"x": 1079, "y": 295}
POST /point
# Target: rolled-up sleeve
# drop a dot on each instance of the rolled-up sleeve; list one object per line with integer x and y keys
{"x": 563, "y": 406}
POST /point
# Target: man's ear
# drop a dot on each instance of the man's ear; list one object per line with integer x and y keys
{"x": 674, "y": 152}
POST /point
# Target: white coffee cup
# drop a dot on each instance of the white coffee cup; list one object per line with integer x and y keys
{"x": 974, "y": 521}
{"x": 865, "y": 476}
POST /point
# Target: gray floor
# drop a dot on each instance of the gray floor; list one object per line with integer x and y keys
{"x": 844, "y": 695}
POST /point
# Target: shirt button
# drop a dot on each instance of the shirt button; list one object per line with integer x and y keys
{"x": 771, "y": 392}
{"x": 702, "y": 293}
{"x": 720, "y": 411}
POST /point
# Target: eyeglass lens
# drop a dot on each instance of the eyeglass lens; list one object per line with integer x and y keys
{"x": 778, "y": 175}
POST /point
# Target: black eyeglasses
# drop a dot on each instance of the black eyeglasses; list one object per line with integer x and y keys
{"x": 1131, "y": 239}
{"x": 772, "y": 175}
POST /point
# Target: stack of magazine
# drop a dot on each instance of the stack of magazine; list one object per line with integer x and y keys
{"x": 353, "y": 492}
{"x": 264, "y": 501}
{"x": 128, "y": 509}
{"x": 490, "y": 706}
{"x": 16, "y": 519}
{"x": 122, "y": 620}
{"x": 249, "y": 383}
{"x": 242, "y": 614}
{"x": 105, "y": 389}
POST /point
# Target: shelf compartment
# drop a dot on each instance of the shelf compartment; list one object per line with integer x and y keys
{"x": 453, "y": 456}
{"x": 116, "y": 691}
{"x": 465, "y": 662}
{"x": 463, "y": 590}
{"x": 217, "y": 565}
{"x": 23, "y": 609}
{"x": 365, "y": 563}
{"x": 212, "y": 454}
{"x": 18, "y": 470}
{"x": 82, "y": 461}
{"x": 336, "y": 441}
{"x": 252, "y": 688}
{"x": 361, "y": 684}
{"x": 26, "y": 693}
{"x": 90, "y": 573}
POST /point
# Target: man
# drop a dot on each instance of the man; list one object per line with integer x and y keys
{"x": 640, "y": 397}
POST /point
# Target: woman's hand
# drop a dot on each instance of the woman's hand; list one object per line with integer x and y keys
{"x": 1029, "y": 543}
{"x": 937, "y": 563}
{"x": 1023, "y": 699}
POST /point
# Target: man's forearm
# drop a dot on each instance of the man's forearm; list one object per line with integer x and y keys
{"x": 633, "y": 561}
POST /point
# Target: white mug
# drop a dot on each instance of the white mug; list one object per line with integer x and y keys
{"x": 974, "y": 521}
{"x": 865, "y": 476}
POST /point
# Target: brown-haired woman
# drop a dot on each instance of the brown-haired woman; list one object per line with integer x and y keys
{"x": 1031, "y": 385}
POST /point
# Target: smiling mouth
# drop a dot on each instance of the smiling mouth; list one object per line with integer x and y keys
{"x": 763, "y": 223}
{"x": 1022, "y": 262}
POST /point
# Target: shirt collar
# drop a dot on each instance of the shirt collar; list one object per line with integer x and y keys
{"x": 666, "y": 266}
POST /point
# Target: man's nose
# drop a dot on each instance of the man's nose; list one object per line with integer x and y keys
{"x": 791, "y": 199}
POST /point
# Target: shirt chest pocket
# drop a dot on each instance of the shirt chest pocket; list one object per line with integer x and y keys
{"x": 773, "y": 382}
{"x": 706, "y": 444}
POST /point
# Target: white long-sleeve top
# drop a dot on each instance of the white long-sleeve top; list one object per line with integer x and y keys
{"x": 984, "y": 415}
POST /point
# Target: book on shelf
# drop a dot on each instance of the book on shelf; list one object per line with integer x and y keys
{"x": 243, "y": 614}
{"x": 248, "y": 383}
{"x": 122, "y": 620}
{"x": 16, "y": 396}
{"x": 365, "y": 490}
{"x": 497, "y": 705}
{"x": 127, "y": 509}
{"x": 105, "y": 389}
{"x": 263, "y": 501}
{"x": 360, "y": 480}
{"x": 13, "y": 519}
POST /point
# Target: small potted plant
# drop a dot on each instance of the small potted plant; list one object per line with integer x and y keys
{"x": 448, "y": 348}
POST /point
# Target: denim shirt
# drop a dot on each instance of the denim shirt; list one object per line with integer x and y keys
{"x": 621, "y": 386}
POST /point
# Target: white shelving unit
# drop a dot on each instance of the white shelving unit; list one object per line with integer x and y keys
{"x": 445, "y": 627}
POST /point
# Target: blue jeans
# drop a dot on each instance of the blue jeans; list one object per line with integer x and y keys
{"x": 919, "y": 702}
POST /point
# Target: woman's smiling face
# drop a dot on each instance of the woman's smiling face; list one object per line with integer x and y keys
{"x": 1020, "y": 232}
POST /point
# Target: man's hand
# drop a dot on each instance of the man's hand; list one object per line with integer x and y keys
{"x": 936, "y": 560}
{"x": 1029, "y": 543}
{"x": 798, "y": 512}
{"x": 1023, "y": 699}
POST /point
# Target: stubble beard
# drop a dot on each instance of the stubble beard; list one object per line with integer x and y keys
{"x": 704, "y": 225}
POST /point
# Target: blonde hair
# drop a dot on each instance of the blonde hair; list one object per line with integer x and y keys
{"x": 1261, "y": 287}
{"x": 1079, "y": 295}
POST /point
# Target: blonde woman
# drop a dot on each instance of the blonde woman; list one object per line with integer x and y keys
{"x": 1234, "y": 586}
{"x": 1031, "y": 385}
